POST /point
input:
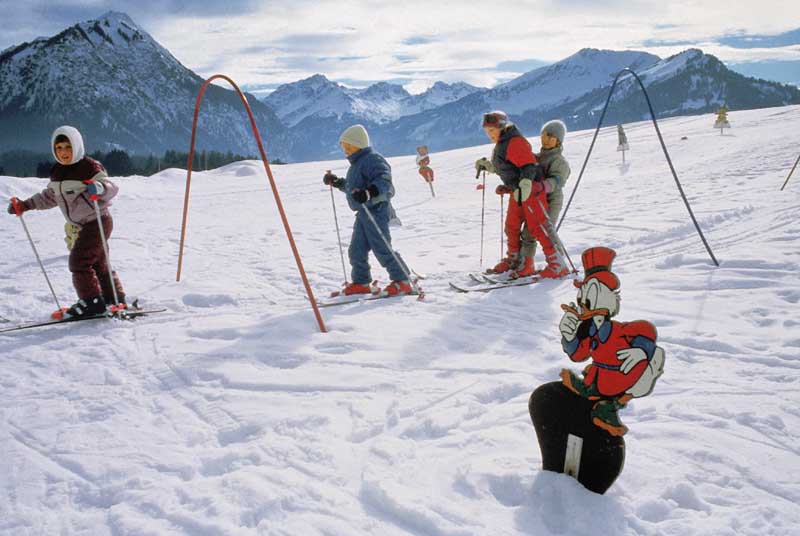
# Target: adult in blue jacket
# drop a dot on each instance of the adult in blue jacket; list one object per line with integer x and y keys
{"x": 368, "y": 186}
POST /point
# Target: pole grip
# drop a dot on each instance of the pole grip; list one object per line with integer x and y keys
{"x": 18, "y": 206}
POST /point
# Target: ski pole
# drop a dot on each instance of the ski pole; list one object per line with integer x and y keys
{"x": 19, "y": 210}
{"x": 406, "y": 270}
{"x": 553, "y": 234}
{"x": 105, "y": 247}
{"x": 502, "y": 210}
{"x": 790, "y": 173}
{"x": 483, "y": 205}
{"x": 338, "y": 234}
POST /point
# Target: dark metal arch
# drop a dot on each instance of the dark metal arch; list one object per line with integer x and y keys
{"x": 663, "y": 146}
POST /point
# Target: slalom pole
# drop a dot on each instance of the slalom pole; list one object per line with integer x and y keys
{"x": 105, "y": 249}
{"x": 406, "y": 270}
{"x": 18, "y": 210}
{"x": 790, "y": 173}
{"x": 483, "y": 207}
{"x": 272, "y": 184}
{"x": 338, "y": 234}
{"x": 502, "y": 211}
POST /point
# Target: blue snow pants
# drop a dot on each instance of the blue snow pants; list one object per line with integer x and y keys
{"x": 365, "y": 239}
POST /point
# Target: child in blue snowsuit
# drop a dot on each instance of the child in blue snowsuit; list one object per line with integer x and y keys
{"x": 368, "y": 186}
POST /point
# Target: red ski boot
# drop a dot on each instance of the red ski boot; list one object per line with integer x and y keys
{"x": 555, "y": 269}
{"x": 356, "y": 288}
{"x": 395, "y": 288}
{"x": 510, "y": 262}
{"x": 524, "y": 269}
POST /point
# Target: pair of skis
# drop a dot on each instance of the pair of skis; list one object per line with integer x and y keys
{"x": 338, "y": 297}
{"x": 122, "y": 314}
{"x": 486, "y": 283}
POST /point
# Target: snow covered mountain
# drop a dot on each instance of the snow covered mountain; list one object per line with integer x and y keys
{"x": 383, "y": 102}
{"x": 687, "y": 83}
{"x": 114, "y": 82}
{"x": 566, "y": 80}
{"x": 575, "y": 90}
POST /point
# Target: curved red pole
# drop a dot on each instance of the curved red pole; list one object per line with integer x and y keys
{"x": 309, "y": 292}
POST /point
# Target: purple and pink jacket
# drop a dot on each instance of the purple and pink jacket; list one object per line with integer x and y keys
{"x": 67, "y": 191}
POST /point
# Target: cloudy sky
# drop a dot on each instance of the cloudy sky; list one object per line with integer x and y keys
{"x": 263, "y": 44}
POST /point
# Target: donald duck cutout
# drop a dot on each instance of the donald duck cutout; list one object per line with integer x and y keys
{"x": 625, "y": 359}
{"x": 423, "y": 161}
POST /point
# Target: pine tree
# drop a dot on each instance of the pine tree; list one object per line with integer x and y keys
{"x": 118, "y": 163}
{"x": 43, "y": 169}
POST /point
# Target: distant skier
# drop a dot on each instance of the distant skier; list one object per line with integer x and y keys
{"x": 556, "y": 172}
{"x": 368, "y": 186}
{"x": 513, "y": 160}
{"x": 74, "y": 178}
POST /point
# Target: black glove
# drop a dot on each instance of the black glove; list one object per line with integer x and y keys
{"x": 330, "y": 179}
{"x": 361, "y": 195}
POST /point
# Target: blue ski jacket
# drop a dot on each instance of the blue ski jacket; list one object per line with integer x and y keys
{"x": 368, "y": 168}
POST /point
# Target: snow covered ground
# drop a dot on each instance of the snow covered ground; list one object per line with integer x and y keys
{"x": 232, "y": 414}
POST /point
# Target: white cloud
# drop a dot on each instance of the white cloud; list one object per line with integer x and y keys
{"x": 277, "y": 42}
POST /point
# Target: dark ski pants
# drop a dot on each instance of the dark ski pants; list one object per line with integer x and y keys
{"x": 88, "y": 265}
{"x": 365, "y": 239}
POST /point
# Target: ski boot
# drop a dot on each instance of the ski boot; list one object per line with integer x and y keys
{"x": 555, "y": 269}
{"x": 395, "y": 288}
{"x": 356, "y": 288}
{"x": 524, "y": 269}
{"x": 88, "y": 307}
{"x": 510, "y": 262}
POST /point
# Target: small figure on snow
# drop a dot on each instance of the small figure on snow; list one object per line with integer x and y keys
{"x": 722, "y": 119}
{"x": 523, "y": 178}
{"x": 368, "y": 186}
{"x": 424, "y": 161}
{"x": 76, "y": 182}
{"x": 556, "y": 172}
{"x": 625, "y": 359}
{"x": 622, "y": 141}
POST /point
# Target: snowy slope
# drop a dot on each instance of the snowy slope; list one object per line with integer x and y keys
{"x": 232, "y": 414}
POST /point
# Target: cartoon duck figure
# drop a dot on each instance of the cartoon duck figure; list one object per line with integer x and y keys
{"x": 625, "y": 359}
{"x": 423, "y": 161}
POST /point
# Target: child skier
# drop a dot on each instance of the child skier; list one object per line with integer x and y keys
{"x": 522, "y": 176}
{"x": 368, "y": 187}
{"x": 556, "y": 172}
{"x": 75, "y": 181}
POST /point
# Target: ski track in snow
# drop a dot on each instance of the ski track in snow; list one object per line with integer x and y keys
{"x": 232, "y": 414}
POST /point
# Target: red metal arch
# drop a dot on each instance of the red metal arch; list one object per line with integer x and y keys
{"x": 300, "y": 268}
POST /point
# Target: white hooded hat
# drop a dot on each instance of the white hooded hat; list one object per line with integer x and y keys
{"x": 75, "y": 139}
